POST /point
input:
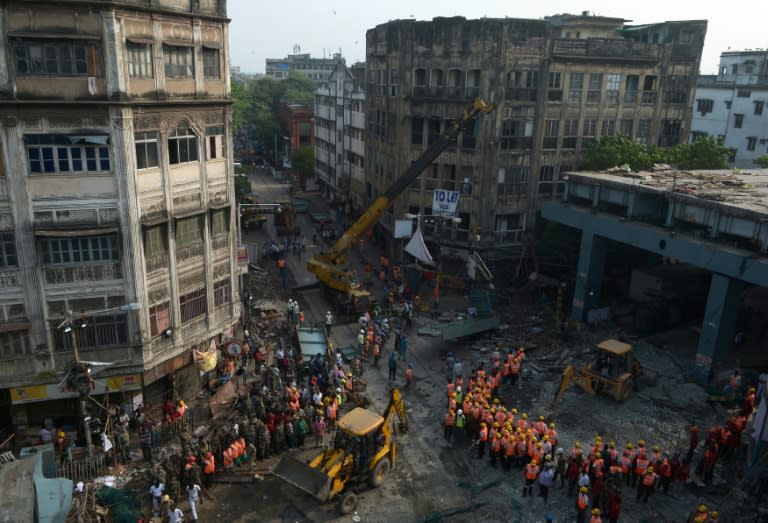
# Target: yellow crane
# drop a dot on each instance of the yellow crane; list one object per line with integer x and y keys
{"x": 343, "y": 283}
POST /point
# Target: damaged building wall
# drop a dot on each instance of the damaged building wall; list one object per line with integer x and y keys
{"x": 556, "y": 91}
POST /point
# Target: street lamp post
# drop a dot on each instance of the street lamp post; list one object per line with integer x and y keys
{"x": 83, "y": 386}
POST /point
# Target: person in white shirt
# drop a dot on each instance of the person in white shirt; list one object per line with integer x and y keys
{"x": 175, "y": 515}
{"x": 193, "y": 495}
{"x": 156, "y": 490}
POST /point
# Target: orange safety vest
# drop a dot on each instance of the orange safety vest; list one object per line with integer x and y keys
{"x": 449, "y": 420}
{"x": 281, "y": 263}
{"x": 701, "y": 518}
{"x": 523, "y": 424}
{"x": 209, "y": 466}
{"x": 332, "y": 410}
{"x": 505, "y": 370}
{"x": 514, "y": 368}
{"x": 552, "y": 433}
{"x": 509, "y": 449}
{"x": 666, "y": 468}
{"x": 531, "y": 471}
{"x": 582, "y": 501}
{"x": 483, "y": 433}
{"x": 408, "y": 374}
{"x": 496, "y": 445}
{"x": 649, "y": 479}
{"x": 227, "y": 457}
{"x": 595, "y": 519}
{"x": 640, "y": 465}
{"x": 625, "y": 463}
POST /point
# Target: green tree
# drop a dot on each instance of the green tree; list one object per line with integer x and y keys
{"x": 704, "y": 153}
{"x": 303, "y": 163}
{"x": 614, "y": 151}
{"x": 762, "y": 161}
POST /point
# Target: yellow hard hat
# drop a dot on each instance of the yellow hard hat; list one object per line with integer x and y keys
{"x": 181, "y": 403}
{"x": 583, "y": 490}
{"x": 650, "y": 469}
{"x": 534, "y": 462}
{"x": 612, "y": 444}
{"x": 630, "y": 446}
{"x": 514, "y": 411}
{"x": 702, "y": 508}
{"x": 596, "y": 511}
{"x": 641, "y": 443}
{"x": 656, "y": 448}
{"x": 168, "y": 498}
{"x": 545, "y": 438}
{"x": 714, "y": 513}
{"x": 541, "y": 418}
{"x": 577, "y": 445}
{"x": 538, "y": 445}
{"x": 551, "y": 425}
{"x": 483, "y": 424}
{"x": 524, "y": 415}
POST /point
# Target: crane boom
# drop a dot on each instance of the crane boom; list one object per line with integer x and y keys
{"x": 324, "y": 265}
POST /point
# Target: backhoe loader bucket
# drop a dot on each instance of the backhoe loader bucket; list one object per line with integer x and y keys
{"x": 300, "y": 475}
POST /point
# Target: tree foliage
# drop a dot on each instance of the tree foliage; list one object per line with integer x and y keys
{"x": 762, "y": 161}
{"x": 615, "y": 151}
{"x": 257, "y": 105}
{"x": 303, "y": 162}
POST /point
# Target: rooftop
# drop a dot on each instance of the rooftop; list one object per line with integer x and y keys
{"x": 740, "y": 191}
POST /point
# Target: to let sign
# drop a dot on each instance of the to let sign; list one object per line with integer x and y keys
{"x": 444, "y": 203}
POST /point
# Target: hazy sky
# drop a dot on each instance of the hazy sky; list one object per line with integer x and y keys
{"x": 269, "y": 29}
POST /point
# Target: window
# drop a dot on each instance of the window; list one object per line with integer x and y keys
{"x": 732, "y": 155}
{"x": 551, "y": 130}
{"x": 595, "y": 86}
{"x": 56, "y": 153}
{"x": 609, "y": 128}
{"x": 590, "y": 128}
{"x": 434, "y": 124}
{"x": 532, "y": 80}
{"x": 159, "y": 318}
{"x": 555, "y": 92}
{"x": 222, "y": 292}
{"x": 575, "y": 85}
{"x": 215, "y": 142}
{"x": 751, "y": 143}
{"x": 727, "y": 104}
{"x": 193, "y": 304}
{"x": 211, "y": 66}
{"x": 178, "y": 62}
{"x": 625, "y": 126}
{"x": 56, "y": 58}
{"x": 417, "y": 130}
{"x": 511, "y": 130}
{"x": 546, "y": 179}
{"x": 759, "y": 107}
{"x": 570, "y": 133}
{"x": 695, "y": 135}
{"x": 146, "y": 150}
{"x": 670, "y": 133}
{"x": 182, "y": 146}
{"x": 15, "y": 343}
{"x": 511, "y": 180}
{"x": 189, "y": 231}
{"x": 612, "y": 86}
{"x": 139, "y": 60}
{"x": 8, "y": 250}
{"x": 704, "y": 106}
{"x": 80, "y": 250}
{"x": 219, "y": 222}
{"x": 644, "y": 131}
{"x": 155, "y": 240}
{"x": 554, "y": 81}
{"x": 738, "y": 120}
{"x": 100, "y": 331}
{"x": 742, "y": 93}
{"x": 631, "y": 88}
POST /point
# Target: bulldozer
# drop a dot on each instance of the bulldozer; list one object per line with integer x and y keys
{"x": 362, "y": 454}
{"x": 614, "y": 372}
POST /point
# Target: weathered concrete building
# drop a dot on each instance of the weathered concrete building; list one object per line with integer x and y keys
{"x": 317, "y": 69}
{"x": 559, "y": 83}
{"x": 339, "y": 137}
{"x": 731, "y": 105}
{"x": 115, "y": 190}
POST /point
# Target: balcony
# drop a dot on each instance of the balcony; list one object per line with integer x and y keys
{"x": 649, "y": 97}
{"x": 157, "y": 262}
{"x": 152, "y": 209}
{"x": 630, "y": 97}
{"x": 521, "y": 94}
{"x": 186, "y": 203}
{"x": 9, "y": 278}
{"x": 602, "y": 48}
{"x": 82, "y": 273}
{"x": 184, "y": 254}
{"x": 217, "y": 193}
{"x": 16, "y": 367}
{"x": 194, "y": 327}
{"x": 220, "y": 242}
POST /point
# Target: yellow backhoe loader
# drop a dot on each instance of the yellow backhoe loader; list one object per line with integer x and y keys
{"x": 363, "y": 453}
{"x": 614, "y": 372}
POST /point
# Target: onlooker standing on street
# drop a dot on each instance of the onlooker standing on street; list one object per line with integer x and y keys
{"x": 546, "y": 478}
{"x": 392, "y": 366}
{"x": 328, "y": 323}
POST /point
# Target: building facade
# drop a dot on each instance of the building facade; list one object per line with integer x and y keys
{"x": 317, "y": 69}
{"x": 731, "y": 105}
{"x": 116, "y": 189}
{"x": 297, "y": 124}
{"x": 559, "y": 84}
{"x": 340, "y": 137}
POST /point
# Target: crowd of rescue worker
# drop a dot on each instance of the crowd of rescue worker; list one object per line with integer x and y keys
{"x": 597, "y": 474}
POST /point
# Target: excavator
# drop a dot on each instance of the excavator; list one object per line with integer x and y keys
{"x": 363, "y": 453}
{"x": 343, "y": 285}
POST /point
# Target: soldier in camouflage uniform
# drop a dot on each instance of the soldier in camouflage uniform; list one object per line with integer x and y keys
{"x": 279, "y": 439}
{"x": 158, "y": 474}
{"x": 250, "y": 431}
{"x": 263, "y": 440}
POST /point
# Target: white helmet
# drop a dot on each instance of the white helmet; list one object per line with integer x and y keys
{"x": 459, "y": 411}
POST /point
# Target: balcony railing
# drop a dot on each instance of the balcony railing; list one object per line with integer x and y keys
{"x": 521, "y": 94}
{"x": 188, "y": 202}
{"x": 649, "y": 97}
{"x": 187, "y": 253}
{"x": 157, "y": 262}
{"x": 9, "y": 278}
{"x": 630, "y": 97}
{"x": 82, "y": 273}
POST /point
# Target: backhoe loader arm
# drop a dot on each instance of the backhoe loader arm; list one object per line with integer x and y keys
{"x": 397, "y": 406}
{"x": 336, "y": 255}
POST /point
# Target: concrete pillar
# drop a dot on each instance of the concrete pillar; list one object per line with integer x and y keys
{"x": 589, "y": 278}
{"x": 717, "y": 329}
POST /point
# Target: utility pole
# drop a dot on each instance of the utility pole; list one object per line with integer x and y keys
{"x": 83, "y": 392}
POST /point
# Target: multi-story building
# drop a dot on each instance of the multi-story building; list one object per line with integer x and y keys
{"x": 317, "y": 69}
{"x": 559, "y": 84}
{"x": 339, "y": 137}
{"x": 115, "y": 189}
{"x": 731, "y": 105}
{"x": 297, "y": 125}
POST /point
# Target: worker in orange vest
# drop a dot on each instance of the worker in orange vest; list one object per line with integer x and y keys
{"x": 582, "y": 505}
{"x": 209, "y": 467}
{"x": 595, "y": 516}
{"x": 665, "y": 471}
{"x": 409, "y": 379}
{"x": 702, "y": 516}
{"x": 641, "y": 465}
{"x": 647, "y": 484}
{"x": 482, "y": 440}
{"x": 449, "y": 420}
{"x": 531, "y": 474}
